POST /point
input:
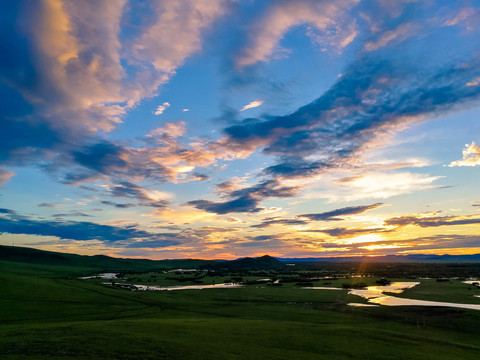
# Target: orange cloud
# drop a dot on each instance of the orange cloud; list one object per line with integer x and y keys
{"x": 252, "y": 105}
{"x": 283, "y": 15}
{"x": 177, "y": 32}
{"x": 471, "y": 156}
{"x": 5, "y": 176}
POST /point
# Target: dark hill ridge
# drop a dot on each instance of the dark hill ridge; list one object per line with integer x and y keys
{"x": 265, "y": 262}
{"x": 95, "y": 262}
{"x": 107, "y": 263}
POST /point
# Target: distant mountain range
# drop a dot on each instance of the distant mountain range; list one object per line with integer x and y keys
{"x": 104, "y": 263}
{"x": 388, "y": 258}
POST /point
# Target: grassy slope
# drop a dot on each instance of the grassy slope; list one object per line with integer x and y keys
{"x": 44, "y": 315}
{"x": 90, "y": 263}
{"x": 451, "y": 291}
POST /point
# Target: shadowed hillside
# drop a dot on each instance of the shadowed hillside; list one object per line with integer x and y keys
{"x": 107, "y": 263}
{"x": 95, "y": 262}
{"x": 265, "y": 262}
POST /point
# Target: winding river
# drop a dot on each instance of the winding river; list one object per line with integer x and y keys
{"x": 375, "y": 295}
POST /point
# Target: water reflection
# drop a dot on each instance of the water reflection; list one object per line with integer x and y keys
{"x": 376, "y": 291}
{"x": 101, "y": 276}
{"x": 186, "y": 287}
{"x": 375, "y": 295}
{"x": 360, "y": 304}
{"x": 394, "y": 301}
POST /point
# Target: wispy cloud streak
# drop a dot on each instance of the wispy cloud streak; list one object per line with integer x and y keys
{"x": 74, "y": 230}
{"x": 433, "y": 221}
{"x": 336, "y": 215}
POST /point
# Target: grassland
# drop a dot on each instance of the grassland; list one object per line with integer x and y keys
{"x": 46, "y": 312}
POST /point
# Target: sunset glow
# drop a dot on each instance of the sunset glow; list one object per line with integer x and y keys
{"x": 223, "y": 129}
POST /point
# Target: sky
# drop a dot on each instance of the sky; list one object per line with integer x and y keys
{"x": 220, "y": 129}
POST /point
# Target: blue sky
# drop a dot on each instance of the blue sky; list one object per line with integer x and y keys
{"x": 230, "y": 128}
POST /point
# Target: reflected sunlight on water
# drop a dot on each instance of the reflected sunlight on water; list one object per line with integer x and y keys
{"x": 374, "y": 294}
{"x": 187, "y": 287}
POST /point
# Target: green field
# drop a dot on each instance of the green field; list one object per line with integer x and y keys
{"x": 47, "y": 313}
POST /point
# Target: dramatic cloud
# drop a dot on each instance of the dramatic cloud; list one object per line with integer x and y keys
{"x": 449, "y": 243}
{"x": 325, "y": 17}
{"x": 177, "y": 31}
{"x": 145, "y": 197}
{"x": 245, "y": 204}
{"x": 73, "y": 230}
{"x": 247, "y": 199}
{"x": 471, "y": 156}
{"x": 161, "y": 156}
{"x": 101, "y": 157}
{"x": 433, "y": 221}
{"x": 376, "y": 185}
{"x": 438, "y": 244}
{"x": 350, "y": 114}
{"x": 336, "y": 215}
{"x": 79, "y": 74}
{"x": 377, "y": 96}
{"x": 267, "y": 189}
{"x": 79, "y": 67}
{"x": 296, "y": 168}
{"x": 360, "y": 108}
{"x": 24, "y": 139}
{"x": 107, "y": 160}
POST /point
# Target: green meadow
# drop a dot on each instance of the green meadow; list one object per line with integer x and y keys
{"x": 46, "y": 312}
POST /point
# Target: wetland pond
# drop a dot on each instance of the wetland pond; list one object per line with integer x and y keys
{"x": 375, "y": 295}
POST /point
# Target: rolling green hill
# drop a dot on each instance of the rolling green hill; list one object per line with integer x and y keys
{"x": 46, "y": 313}
{"x": 106, "y": 263}
{"x": 95, "y": 262}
